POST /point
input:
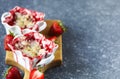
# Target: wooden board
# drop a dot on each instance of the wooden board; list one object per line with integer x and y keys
{"x": 56, "y": 62}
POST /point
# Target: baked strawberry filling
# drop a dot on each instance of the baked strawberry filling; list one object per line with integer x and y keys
{"x": 33, "y": 45}
{"x": 23, "y": 17}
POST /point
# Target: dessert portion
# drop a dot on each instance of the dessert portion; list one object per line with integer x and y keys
{"x": 19, "y": 19}
{"x": 32, "y": 49}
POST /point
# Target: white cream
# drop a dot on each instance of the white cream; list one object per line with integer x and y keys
{"x": 23, "y": 61}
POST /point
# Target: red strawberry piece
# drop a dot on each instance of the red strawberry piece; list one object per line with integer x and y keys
{"x": 10, "y": 20}
{"x": 52, "y": 38}
{"x": 13, "y": 73}
{"x": 8, "y": 40}
{"x": 36, "y": 74}
{"x": 56, "y": 29}
{"x": 12, "y": 13}
{"x": 29, "y": 36}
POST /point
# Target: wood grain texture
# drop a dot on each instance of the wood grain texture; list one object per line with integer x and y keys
{"x": 56, "y": 62}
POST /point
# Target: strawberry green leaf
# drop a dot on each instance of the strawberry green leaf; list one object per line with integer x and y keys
{"x": 62, "y": 26}
{"x": 11, "y": 33}
{"x": 6, "y": 72}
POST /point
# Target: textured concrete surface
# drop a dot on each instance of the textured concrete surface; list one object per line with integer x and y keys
{"x": 91, "y": 45}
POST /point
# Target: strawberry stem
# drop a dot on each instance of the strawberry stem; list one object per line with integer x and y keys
{"x": 11, "y": 33}
{"x": 6, "y": 72}
{"x": 62, "y": 26}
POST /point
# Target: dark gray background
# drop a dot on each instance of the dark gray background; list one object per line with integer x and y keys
{"x": 91, "y": 44}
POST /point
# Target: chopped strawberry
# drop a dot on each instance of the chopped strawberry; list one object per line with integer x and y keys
{"x": 10, "y": 20}
{"x": 56, "y": 29}
{"x": 13, "y": 73}
{"x": 30, "y": 36}
{"x": 52, "y": 38}
{"x": 36, "y": 74}
{"x": 7, "y": 40}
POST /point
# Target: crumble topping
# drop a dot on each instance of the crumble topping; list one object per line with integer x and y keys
{"x": 33, "y": 44}
{"x": 24, "y": 21}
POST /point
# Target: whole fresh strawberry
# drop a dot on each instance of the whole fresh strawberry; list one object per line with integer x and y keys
{"x": 36, "y": 74}
{"x": 13, "y": 73}
{"x": 7, "y": 40}
{"x": 56, "y": 29}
